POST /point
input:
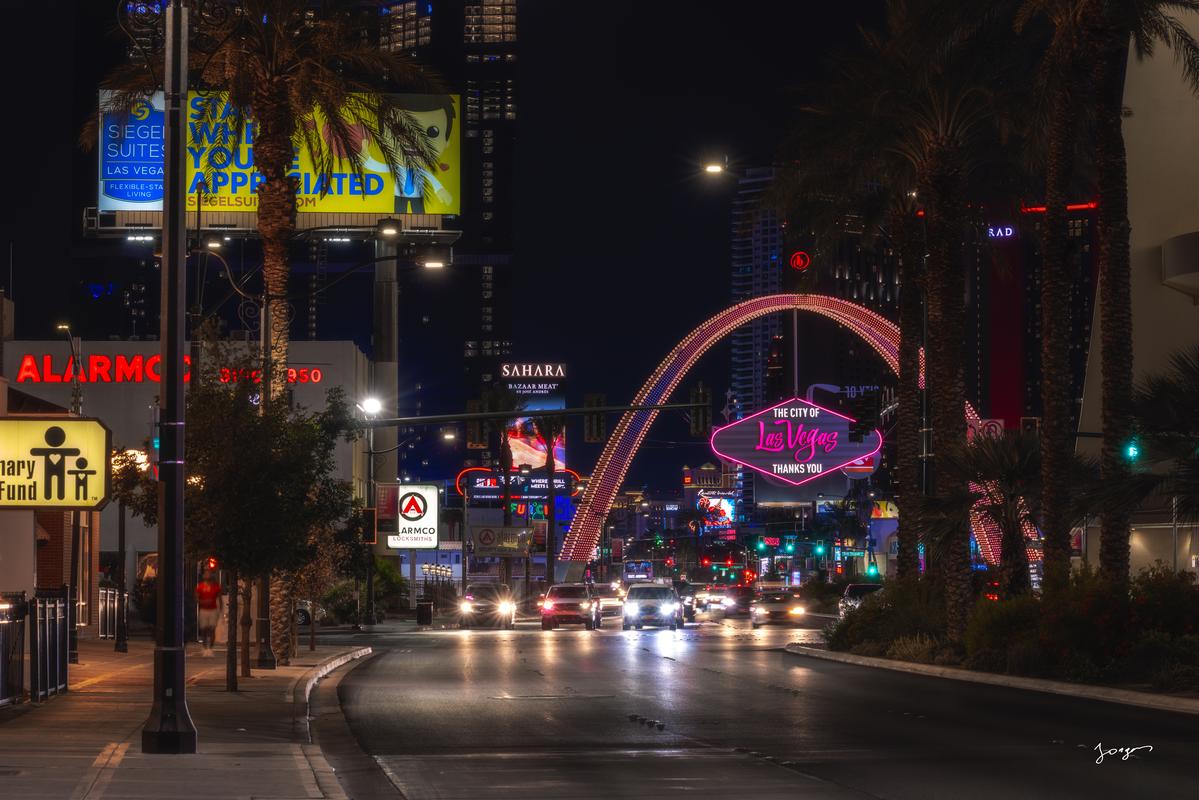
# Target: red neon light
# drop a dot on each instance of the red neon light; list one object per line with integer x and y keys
{"x": 800, "y": 260}
{"x": 458, "y": 480}
{"x": 1069, "y": 207}
{"x": 97, "y": 368}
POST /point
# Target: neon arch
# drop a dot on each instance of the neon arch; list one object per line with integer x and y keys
{"x": 613, "y": 464}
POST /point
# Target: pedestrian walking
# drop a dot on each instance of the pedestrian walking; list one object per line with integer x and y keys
{"x": 208, "y": 599}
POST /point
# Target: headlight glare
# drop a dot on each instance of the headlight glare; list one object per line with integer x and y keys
{"x": 506, "y": 607}
{"x": 797, "y": 610}
{"x": 465, "y": 607}
{"x": 632, "y": 609}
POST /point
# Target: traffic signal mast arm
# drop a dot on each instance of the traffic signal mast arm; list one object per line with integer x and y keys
{"x": 503, "y": 415}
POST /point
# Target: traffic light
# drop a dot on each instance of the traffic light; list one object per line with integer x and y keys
{"x": 761, "y": 544}
{"x": 872, "y": 570}
{"x": 594, "y": 425}
{"x": 1132, "y": 451}
{"x": 701, "y": 412}
{"x": 819, "y": 548}
{"x": 790, "y": 545}
{"x": 210, "y": 563}
{"x": 705, "y": 561}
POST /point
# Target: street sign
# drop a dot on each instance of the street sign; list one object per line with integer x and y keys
{"x": 499, "y": 541}
{"x": 54, "y": 462}
{"x": 407, "y": 515}
{"x": 794, "y": 442}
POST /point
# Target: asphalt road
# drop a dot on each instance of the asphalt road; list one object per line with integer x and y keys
{"x": 532, "y": 714}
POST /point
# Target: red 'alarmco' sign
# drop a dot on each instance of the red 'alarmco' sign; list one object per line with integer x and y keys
{"x": 100, "y": 368}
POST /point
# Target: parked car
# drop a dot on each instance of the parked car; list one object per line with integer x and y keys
{"x": 487, "y": 604}
{"x": 854, "y": 594}
{"x": 306, "y": 611}
{"x": 774, "y": 607}
{"x": 570, "y": 604}
{"x": 650, "y": 604}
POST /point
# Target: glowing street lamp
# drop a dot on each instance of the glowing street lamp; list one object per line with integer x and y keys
{"x": 371, "y": 406}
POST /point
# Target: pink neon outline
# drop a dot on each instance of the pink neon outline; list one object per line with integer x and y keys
{"x": 715, "y": 431}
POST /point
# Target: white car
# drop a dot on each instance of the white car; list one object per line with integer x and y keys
{"x": 647, "y": 604}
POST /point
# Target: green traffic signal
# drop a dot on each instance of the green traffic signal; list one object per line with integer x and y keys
{"x": 820, "y": 549}
{"x": 1132, "y": 451}
{"x": 761, "y": 545}
{"x": 872, "y": 570}
{"x": 790, "y": 547}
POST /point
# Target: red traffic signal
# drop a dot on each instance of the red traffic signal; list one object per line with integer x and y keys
{"x": 210, "y": 563}
{"x": 707, "y": 562}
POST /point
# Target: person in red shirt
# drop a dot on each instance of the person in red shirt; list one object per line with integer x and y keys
{"x": 208, "y": 599}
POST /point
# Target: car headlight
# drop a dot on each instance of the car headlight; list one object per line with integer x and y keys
{"x": 758, "y": 610}
{"x": 670, "y": 608}
{"x": 465, "y": 607}
{"x": 796, "y": 610}
{"x": 586, "y": 606}
{"x": 506, "y": 607}
{"x": 728, "y": 601}
{"x": 631, "y": 609}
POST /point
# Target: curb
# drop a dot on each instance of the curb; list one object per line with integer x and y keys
{"x": 322, "y": 669}
{"x": 1128, "y": 697}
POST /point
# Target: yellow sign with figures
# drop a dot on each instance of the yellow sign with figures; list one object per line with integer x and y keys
{"x": 54, "y": 463}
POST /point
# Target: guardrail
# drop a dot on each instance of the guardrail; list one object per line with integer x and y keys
{"x": 48, "y": 621}
{"x": 12, "y": 648}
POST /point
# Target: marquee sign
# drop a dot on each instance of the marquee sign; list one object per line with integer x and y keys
{"x": 54, "y": 462}
{"x": 407, "y": 515}
{"x": 794, "y": 442}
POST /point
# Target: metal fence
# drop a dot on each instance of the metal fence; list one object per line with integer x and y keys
{"x": 112, "y": 605}
{"x": 12, "y": 648}
{"x": 49, "y": 620}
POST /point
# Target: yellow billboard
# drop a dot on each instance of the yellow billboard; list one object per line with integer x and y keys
{"x": 220, "y": 169}
{"x": 54, "y": 462}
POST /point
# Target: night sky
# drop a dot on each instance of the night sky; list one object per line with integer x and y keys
{"x": 623, "y": 243}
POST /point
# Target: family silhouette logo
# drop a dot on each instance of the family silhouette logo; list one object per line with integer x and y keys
{"x": 54, "y": 462}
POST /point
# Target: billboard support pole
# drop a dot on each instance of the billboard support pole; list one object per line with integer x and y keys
{"x": 169, "y": 728}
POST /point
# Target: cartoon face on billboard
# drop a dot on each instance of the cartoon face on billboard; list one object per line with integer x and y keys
{"x": 718, "y": 511}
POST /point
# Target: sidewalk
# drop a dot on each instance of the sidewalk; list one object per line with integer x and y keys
{"x": 86, "y": 744}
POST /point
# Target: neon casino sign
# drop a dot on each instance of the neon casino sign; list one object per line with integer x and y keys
{"x": 137, "y": 368}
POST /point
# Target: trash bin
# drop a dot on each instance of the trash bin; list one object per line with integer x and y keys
{"x": 424, "y": 612}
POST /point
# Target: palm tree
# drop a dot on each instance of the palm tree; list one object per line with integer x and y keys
{"x": 1060, "y": 87}
{"x": 291, "y": 74}
{"x": 500, "y": 399}
{"x": 549, "y": 429}
{"x": 1145, "y": 23}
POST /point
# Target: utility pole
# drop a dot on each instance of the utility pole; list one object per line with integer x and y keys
{"x": 169, "y": 728}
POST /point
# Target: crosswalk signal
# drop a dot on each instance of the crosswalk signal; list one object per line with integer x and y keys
{"x": 701, "y": 412}
{"x": 594, "y": 425}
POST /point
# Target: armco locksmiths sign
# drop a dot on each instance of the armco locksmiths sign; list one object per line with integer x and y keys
{"x": 54, "y": 462}
{"x": 794, "y": 442}
{"x": 407, "y": 515}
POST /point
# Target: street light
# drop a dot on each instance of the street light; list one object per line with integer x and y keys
{"x": 388, "y": 227}
{"x": 371, "y": 406}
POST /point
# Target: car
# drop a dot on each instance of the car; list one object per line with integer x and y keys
{"x": 711, "y": 598}
{"x": 611, "y": 598}
{"x": 570, "y": 603}
{"x": 687, "y": 596}
{"x": 854, "y": 594}
{"x": 776, "y": 606}
{"x": 737, "y": 600}
{"x": 487, "y": 604}
{"x": 306, "y": 611}
{"x": 650, "y": 604}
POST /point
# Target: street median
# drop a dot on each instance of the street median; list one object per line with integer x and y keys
{"x": 1128, "y": 697}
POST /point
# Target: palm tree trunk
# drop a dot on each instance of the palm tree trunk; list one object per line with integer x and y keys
{"x": 908, "y": 427}
{"x": 1056, "y": 411}
{"x": 1013, "y": 559}
{"x": 942, "y": 190}
{"x": 246, "y": 622}
{"x": 281, "y": 618}
{"x": 506, "y": 469}
{"x": 1115, "y": 299}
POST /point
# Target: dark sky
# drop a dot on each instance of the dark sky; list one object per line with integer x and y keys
{"x": 623, "y": 242}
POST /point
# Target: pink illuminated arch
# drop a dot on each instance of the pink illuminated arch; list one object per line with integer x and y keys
{"x": 618, "y": 453}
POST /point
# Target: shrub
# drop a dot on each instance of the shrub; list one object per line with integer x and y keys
{"x": 907, "y": 609}
{"x": 341, "y": 603}
{"x": 821, "y": 597}
{"x": 1002, "y": 636}
{"x": 1165, "y": 600}
{"x": 919, "y": 648}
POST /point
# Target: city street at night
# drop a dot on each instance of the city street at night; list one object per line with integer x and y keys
{"x": 498, "y": 714}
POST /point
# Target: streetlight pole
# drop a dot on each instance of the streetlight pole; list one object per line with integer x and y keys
{"x": 169, "y": 728}
{"x": 76, "y": 532}
{"x": 370, "y": 562}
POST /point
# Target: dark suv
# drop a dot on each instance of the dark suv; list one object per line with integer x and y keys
{"x": 487, "y": 604}
{"x": 570, "y": 603}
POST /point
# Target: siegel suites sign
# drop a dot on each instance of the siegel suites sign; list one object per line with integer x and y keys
{"x": 138, "y": 368}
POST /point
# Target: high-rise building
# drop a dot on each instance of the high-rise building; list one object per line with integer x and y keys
{"x": 757, "y": 244}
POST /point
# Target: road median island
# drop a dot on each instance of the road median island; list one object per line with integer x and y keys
{"x": 1159, "y": 702}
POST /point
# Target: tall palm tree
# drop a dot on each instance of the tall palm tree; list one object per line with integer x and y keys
{"x": 1061, "y": 85}
{"x": 549, "y": 429}
{"x": 500, "y": 399}
{"x": 1144, "y": 23}
{"x": 290, "y": 74}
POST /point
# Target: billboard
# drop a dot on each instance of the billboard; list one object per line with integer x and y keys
{"x": 539, "y": 386}
{"x": 794, "y": 442}
{"x": 406, "y": 515}
{"x": 488, "y": 540}
{"x": 719, "y": 507}
{"x": 220, "y": 168}
{"x": 54, "y": 462}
